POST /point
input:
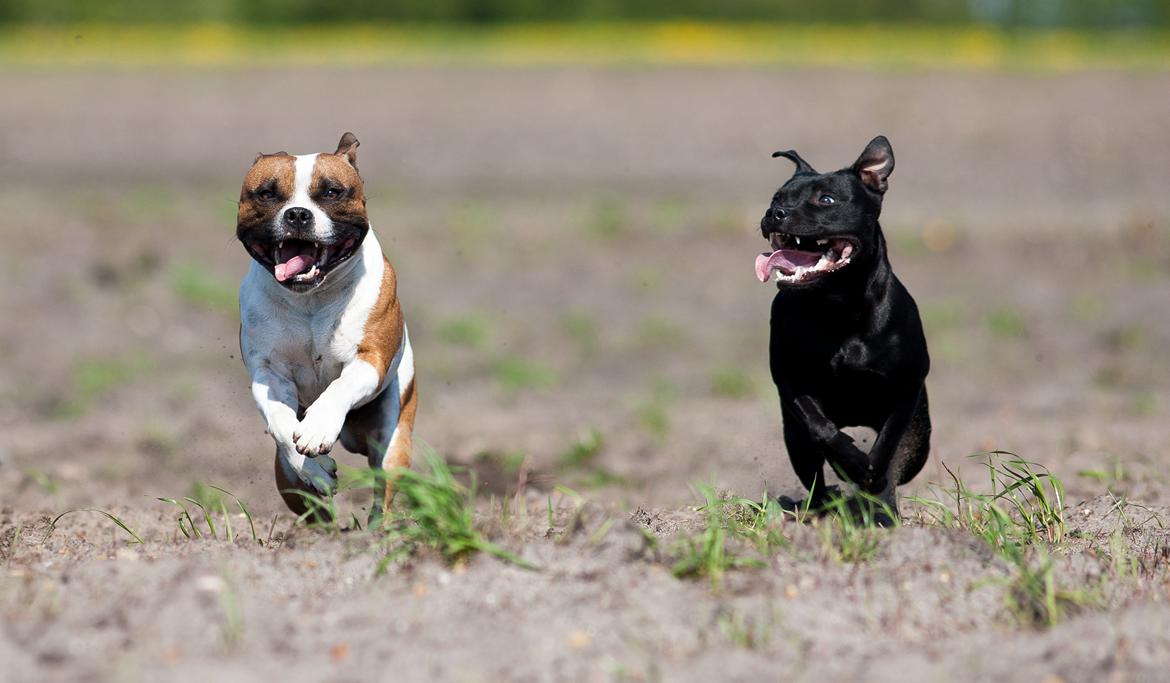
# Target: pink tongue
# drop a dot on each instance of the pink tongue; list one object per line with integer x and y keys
{"x": 294, "y": 266}
{"x": 787, "y": 260}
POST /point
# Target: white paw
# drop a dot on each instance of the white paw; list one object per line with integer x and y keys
{"x": 282, "y": 430}
{"x": 317, "y": 433}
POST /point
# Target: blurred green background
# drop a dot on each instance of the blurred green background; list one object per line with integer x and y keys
{"x": 1038, "y": 13}
{"x": 1018, "y": 34}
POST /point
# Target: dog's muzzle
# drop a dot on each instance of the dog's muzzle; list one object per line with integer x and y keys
{"x": 796, "y": 259}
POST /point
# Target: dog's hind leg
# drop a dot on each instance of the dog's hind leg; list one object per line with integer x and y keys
{"x": 914, "y": 447}
{"x": 398, "y": 450}
{"x": 900, "y": 449}
{"x": 381, "y": 431}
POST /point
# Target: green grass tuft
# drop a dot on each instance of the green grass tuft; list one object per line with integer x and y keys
{"x": 43, "y": 480}
{"x": 1025, "y": 504}
{"x": 95, "y": 377}
{"x": 1007, "y": 323}
{"x": 437, "y": 512}
{"x": 584, "y": 451}
{"x": 208, "y": 502}
{"x": 1022, "y": 518}
{"x": 852, "y": 532}
{"x": 198, "y": 286}
{"x": 729, "y": 381}
{"x": 470, "y": 331}
{"x": 710, "y": 553}
{"x": 582, "y": 329}
{"x": 580, "y": 462}
{"x": 122, "y": 525}
{"x": 607, "y": 219}
{"x": 515, "y": 374}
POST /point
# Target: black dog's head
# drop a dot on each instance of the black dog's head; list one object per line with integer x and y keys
{"x": 820, "y": 223}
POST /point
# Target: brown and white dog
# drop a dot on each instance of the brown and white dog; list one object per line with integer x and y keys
{"x": 321, "y": 329}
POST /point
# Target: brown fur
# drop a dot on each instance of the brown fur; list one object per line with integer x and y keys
{"x": 382, "y": 339}
{"x": 398, "y": 453}
{"x": 273, "y": 172}
{"x": 383, "y": 331}
{"x": 334, "y": 170}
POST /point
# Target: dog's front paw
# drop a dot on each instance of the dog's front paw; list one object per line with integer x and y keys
{"x": 317, "y": 433}
{"x": 874, "y": 482}
{"x": 320, "y": 474}
{"x": 282, "y": 428}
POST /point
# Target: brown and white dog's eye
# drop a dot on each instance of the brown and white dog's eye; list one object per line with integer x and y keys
{"x": 266, "y": 195}
{"x": 331, "y": 193}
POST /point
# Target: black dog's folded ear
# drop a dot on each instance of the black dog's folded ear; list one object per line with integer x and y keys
{"x": 875, "y": 164}
{"x": 348, "y": 146}
{"x": 802, "y": 166}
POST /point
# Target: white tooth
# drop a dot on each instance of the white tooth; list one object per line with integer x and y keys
{"x": 280, "y": 244}
{"x": 822, "y": 242}
{"x": 798, "y": 241}
{"x": 847, "y": 251}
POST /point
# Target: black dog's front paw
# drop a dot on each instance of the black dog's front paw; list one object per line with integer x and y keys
{"x": 874, "y": 482}
{"x": 814, "y": 502}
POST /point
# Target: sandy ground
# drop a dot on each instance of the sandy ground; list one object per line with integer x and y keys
{"x": 575, "y": 251}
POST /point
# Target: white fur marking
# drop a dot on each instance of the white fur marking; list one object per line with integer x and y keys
{"x": 406, "y": 363}
{"x": 357, "y": 384}
{"x": 400, "y": 376}
{"x": 302, "y": 181}
{"x": 301, "y": 349}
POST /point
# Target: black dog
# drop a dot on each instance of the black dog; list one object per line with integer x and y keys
{"x": 847, "y": 347}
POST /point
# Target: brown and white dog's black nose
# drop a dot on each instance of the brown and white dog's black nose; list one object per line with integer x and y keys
{"x": 298, "y": 217}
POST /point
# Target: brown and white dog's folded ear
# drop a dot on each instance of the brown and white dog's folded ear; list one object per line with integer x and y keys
{"x": 875, "y": 164}
{"x": 261, "y": 155}
{"x": 348, "y": 146}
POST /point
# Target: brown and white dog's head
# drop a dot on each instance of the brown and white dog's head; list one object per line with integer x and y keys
{"x": 301, "y": 217}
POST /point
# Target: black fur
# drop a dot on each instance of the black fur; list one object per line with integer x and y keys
{"x": 847, "y": 348}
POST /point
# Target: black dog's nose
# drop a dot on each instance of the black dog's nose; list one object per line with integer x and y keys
{"x": 298, "y": 217}
{"x": 779, "y": 214}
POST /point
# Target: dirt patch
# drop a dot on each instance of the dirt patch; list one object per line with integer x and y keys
{"x": 575, "y": 255}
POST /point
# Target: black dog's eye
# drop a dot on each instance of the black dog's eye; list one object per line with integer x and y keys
{"x": 827, "y": 199}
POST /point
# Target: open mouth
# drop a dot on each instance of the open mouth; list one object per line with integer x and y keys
{"x": 796, "y": 260}
{"x": 299, "y": 262}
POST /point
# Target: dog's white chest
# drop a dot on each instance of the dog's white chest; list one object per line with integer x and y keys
{"x": 323, "y": 352}
{"x": 310, "y": 339}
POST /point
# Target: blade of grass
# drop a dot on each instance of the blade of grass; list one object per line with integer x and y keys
{"x": 107, "y": 515}
{"x": 190, "y": 529}
{"x": 243, "y": 509}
